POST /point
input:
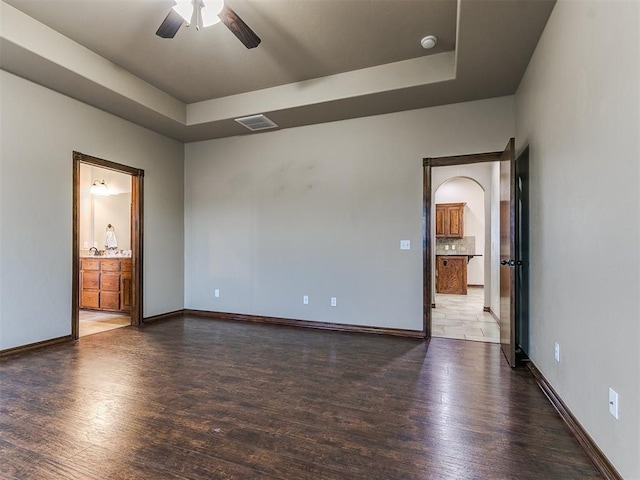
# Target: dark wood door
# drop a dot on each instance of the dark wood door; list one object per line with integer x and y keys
{"x": 507, "y": 252}
{"x": 522, "y": 255}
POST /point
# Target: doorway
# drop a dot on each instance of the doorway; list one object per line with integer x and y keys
{"x": 107, "y": 245}
{"x": 504, "y": 254}
{"x": 463, "y": 277}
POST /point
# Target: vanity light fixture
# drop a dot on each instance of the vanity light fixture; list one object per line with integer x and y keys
{"x": 99, "y": 188}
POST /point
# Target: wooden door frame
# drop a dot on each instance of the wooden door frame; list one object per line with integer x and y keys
{"x": 427, "y": 239}
{"x": 137, "y": 235}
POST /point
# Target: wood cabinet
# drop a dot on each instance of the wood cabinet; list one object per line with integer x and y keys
{"x": 105, "y": 284}
{"x": 451, "y": 274}
{"x": 125, "y": 287}
{"x": 450, "y": 220}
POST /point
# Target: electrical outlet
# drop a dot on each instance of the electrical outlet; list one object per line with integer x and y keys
{"x": 453, "y": 247}
{"x": 216, "y": 293}
{"x": 446, "y": 247}
{"x": 305, "y": 300}
{"x": 557, "y": 352}
{"x": 613, "y": 403}
{"x": 334, "y": 301}
{"x": 405, "y": 244}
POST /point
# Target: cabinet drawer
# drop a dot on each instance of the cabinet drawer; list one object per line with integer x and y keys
{"x": 90, "y": 264}
{"x": 125, "y": 265}
{"x": 110, "y": 282}
{"x": 109, "y": 300}
{"x": 110, "y": 265}
{"x": 89, "y": 300}
{"x": 90, "y": 280}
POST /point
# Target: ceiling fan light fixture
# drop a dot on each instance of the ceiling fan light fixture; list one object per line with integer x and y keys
{"x": 184, "y": 8}
{"x": 210, "y": 11}
{"x": 201, "y": 14}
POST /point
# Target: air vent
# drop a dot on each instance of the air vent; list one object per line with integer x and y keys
{"x": 256, "y": 122}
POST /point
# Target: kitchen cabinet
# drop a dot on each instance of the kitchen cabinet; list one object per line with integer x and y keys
{"x": 450, "y": 220}
{"x": 105, "y": 284}
{"x": 451, "y": 274}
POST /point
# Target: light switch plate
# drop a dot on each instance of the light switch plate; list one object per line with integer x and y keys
{"x": 405, "y": 244}
{"x": 216, "y": 293}
{"x": 613, "y": 403}
{"x": 305, "y": 300}
{"x": 334, "y": 301}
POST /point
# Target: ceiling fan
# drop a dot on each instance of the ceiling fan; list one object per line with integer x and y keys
{"x": 203, "y": 13}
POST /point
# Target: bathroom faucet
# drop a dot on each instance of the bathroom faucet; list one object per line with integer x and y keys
{"x": 96, "y": 252}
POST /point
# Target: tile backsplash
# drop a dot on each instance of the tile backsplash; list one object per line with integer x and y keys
{"x": 464, "y": 246}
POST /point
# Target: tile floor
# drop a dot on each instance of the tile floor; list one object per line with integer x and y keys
{"x": 96, "y": 322}
{"x": 462, "y": 317}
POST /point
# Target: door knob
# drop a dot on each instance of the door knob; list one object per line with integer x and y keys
{"x": 511, "y": 263}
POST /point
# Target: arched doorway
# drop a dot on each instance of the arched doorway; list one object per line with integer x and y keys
{"x": 459, "y": 268}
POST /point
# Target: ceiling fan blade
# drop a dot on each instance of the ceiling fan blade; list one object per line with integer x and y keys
{"x": 238, "y": 27}
{"x": 170, "y": 26}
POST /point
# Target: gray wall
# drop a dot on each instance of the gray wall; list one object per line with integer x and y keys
{"x": 578, "y": 107}
{"x": 40, "y": 130}
{"x": 320, "y": 211}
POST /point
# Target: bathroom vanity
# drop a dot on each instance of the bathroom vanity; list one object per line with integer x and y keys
{"x": 105, "y": 283}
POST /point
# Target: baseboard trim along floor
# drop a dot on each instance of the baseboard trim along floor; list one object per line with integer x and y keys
{"x": 163, "y": 316}
{"x": 34, "y": 346}
{"x": 338, "y": 327}
{"x": 599, "y": 459}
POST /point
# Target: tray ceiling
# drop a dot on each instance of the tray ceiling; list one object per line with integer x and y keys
{"x": 319, "y": 60}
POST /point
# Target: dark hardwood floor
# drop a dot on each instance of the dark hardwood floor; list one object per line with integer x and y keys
{"x": 204, "y": 399}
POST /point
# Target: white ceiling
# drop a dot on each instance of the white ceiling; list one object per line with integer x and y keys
{"x": 319, "y": 60}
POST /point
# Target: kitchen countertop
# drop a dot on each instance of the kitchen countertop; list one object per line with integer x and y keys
{"x": 458, "y": 254}
{"x": 105, "y": 257}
